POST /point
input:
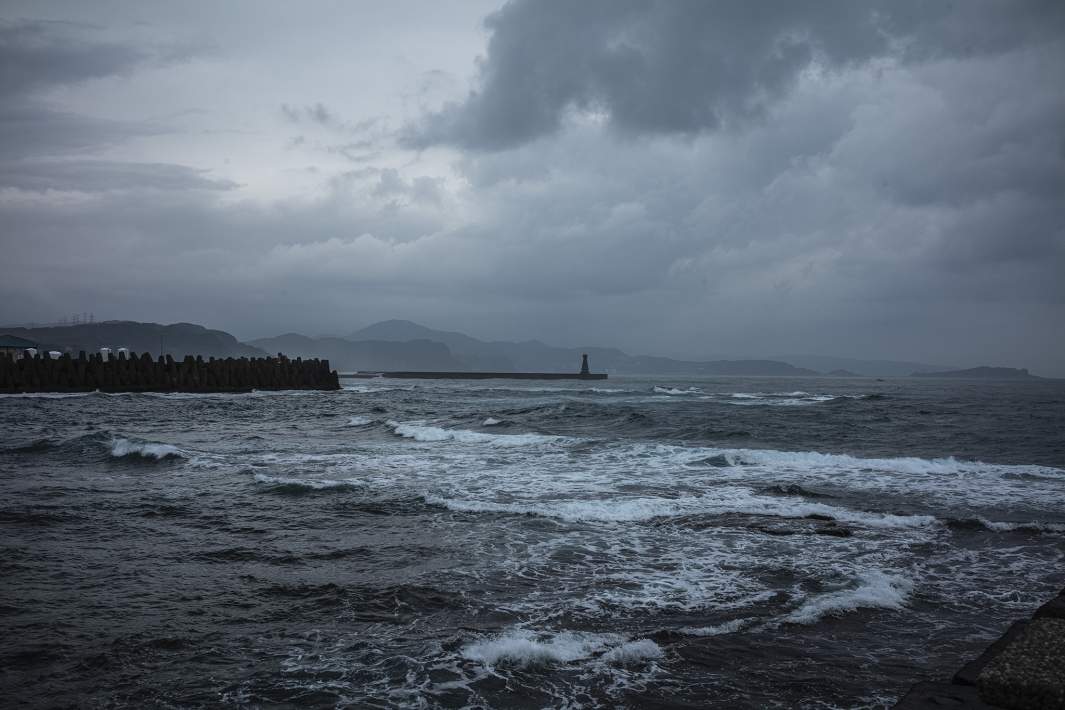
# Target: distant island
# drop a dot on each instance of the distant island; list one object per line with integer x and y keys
{"x": 984, "y": 373}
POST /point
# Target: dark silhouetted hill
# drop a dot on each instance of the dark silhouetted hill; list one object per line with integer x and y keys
{"x": 177, "y": 339}
{"x": 365, "y": 355}
{"x": 535, "y": 356}
{"x": 868, "y": 368}
{"x": 984, "y": 373}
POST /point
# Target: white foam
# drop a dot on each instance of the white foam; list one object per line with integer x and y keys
{"x": 633, "y": 653}
{"x": 875, "y": 590}
{"x": 727, "y": 627}
{"x": 525, "y": 648}
{"x": 1012, "y": 526}
{"x": 317, "y": 484}
{"x": 675, "y": 391}
{"x": 425, "y": 433}
{"x": 365, "y": 389}
{"x": 520, "y": 647}
{"x": 491, "y": 421}
{"x": 721, "y": 501}
{"x": 906, "y": 464}
{"x": 360, "y": 421}
{"x": 145, "y": 449}
{"x": 779, "y": 399}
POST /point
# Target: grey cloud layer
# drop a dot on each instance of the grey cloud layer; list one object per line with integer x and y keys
{"x": 878, "y": 180}
{"x": 676, "y": 66}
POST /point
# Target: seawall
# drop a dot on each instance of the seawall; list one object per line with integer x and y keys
{"x": 421, "y": 375}
{"x": 143, "y": 374}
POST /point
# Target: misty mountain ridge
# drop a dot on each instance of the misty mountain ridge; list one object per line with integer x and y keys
{"x": 984, "y": 373}
{"x": 406, "y": 345}
{"x": 176, "y": 339}
{"x": 535, "y": 356}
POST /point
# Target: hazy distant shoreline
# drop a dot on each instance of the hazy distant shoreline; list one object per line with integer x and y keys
{"x": 405, "y": 346}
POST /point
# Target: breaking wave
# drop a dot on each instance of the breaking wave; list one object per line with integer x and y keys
{"x": 674, "y": 391}
{"x": 525, "y": 648}
{"x": 722, "y": 501}
{"x": 283, "y": 484}
{"x": 1005, "y": 526}
{"x": 874, "y": 590}
{"x": 122, "y": 448}
{"x": 424, "y": 433}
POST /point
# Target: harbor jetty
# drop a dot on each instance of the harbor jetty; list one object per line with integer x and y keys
{"x": 133, "y": 373}
{"x": 584, "y": 374}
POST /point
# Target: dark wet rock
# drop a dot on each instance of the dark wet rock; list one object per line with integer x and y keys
{"x": 719, "y": 461}
{"x": 971, "y": 671}
{"x": 1053, "y": 609}
{"x": 1029, "y": 674}
{"x": 833, "y": 531}
{"x": 792, "y": 489}
{"x": 936, "y": 696}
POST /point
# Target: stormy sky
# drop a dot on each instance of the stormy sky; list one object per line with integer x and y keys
{"x": 695, "y": 179}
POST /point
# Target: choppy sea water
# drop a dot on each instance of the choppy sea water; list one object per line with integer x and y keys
{"x": 726, "y": 542}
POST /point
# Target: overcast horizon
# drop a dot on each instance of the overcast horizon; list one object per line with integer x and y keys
{"x": 876, "y": 180}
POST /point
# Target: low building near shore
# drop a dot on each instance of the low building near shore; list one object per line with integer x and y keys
{"x": 14, "y": 347}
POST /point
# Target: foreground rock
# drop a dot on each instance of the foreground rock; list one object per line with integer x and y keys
{"x": 1023, "y": 670}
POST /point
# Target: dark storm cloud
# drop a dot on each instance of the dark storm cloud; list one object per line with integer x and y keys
{"x": 36, "y": 55}
{"x": 876, "y": 180}
{"x": 28, "y": 129}
{"x": 668, "y": 66}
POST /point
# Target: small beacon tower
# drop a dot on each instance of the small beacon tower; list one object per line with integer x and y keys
{"x": 584, "y": 364}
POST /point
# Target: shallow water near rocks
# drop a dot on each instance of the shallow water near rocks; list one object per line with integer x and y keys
{"x": 728, "y": 542}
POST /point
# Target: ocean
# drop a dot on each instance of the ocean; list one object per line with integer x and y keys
{"x": 646, "y": 542}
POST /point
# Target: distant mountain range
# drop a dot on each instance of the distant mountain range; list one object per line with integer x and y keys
{"x": 867, "y": 368}
{"x": 984, "y": 373}
{"x": 177, "y": 339}
{"x": 367, "y": 355}
{"x": 404, "y": 345}
{"x": 534, "y": 356}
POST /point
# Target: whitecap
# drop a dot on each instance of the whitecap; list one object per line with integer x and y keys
{"x": 317, "y": 484}
{"x": 727, "y": 627}
{"x": 634, "y": 652}
{"x": 359, "y": 421}
{"x": 430, "y": 434}
{"x": 491, "y": 421}
{"x": 676, "y": 391}
{"x": 874, "y": 590}
{"x": 523, "y": 648}
{"x": 722, "y": 501}
{"x": 144, "y": 449}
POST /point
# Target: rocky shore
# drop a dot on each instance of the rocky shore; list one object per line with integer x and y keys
{"x": 143, "y": 374}
{"x": 1023, "y": 670}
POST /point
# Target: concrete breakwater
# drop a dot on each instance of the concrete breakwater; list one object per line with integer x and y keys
{"x": 144, "y": 374}
{"x": 1023, "y": 670}
{"x": 422, "y": 375}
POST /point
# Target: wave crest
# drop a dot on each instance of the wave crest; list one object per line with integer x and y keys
{"x": 874, "y": 590}
{"x": 123, "y": 448}
{"x": 432, "y": 434}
